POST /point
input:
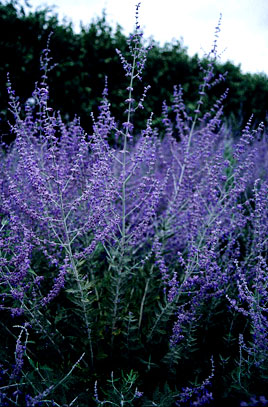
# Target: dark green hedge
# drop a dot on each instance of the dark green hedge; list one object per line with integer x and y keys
{"x": 84, "y": 60}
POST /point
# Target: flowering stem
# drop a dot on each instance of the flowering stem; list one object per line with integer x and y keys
{"x": 68, "y": 249}
{"x": 126, "y": 135}
{"x": 183, "y": 166}
{"x": 143, "y": 300}
{"x": 124, "y": 184}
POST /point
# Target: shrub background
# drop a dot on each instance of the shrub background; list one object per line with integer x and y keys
{"x": 85, "y": 59}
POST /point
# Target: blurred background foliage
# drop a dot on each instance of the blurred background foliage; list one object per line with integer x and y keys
{"x": 83, "y": 60}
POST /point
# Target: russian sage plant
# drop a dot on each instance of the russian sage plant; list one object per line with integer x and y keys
{"x": 133, "y": 259}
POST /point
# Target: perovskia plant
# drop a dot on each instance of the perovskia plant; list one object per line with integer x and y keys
{"x": 143, "y": 260}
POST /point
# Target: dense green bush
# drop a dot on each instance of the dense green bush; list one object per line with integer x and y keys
{"x": 85, "y": 59}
